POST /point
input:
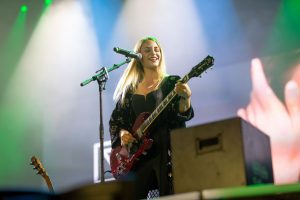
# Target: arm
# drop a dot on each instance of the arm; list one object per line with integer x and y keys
{"x": 119, "y": 123}
{"x": 180, "y": 109}
{"x": 184, "y": 91}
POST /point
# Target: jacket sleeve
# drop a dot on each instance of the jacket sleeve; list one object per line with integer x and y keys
{"x": 119, "y": 120}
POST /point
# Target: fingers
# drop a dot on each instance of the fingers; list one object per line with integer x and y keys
{"x": 248, "y": 113}
{"x": 262, "y": 91}
{"x": 259, "y": 81}
{"x": 292, "y": 99}
{"x": 183, "y": 90}
{"x": 126, "y": 138}
{"x": 242, "y": 113}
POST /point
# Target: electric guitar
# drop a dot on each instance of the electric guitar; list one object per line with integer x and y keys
{"x": 41, "y": 171}
{"x": 122, "y": 158}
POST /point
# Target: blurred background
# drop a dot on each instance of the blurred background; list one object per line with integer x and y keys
{"x": 47, "y": 48}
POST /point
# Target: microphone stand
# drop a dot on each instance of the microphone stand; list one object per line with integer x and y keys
{"x": 102, "y": 77}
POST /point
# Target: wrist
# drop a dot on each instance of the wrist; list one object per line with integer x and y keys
{"x": 185, "y": 98}
{"x": 184, "y": 104}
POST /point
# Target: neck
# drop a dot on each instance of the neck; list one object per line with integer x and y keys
{"x": 151, "y": 75}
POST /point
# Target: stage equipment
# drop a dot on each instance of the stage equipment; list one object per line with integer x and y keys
{"x": 224, "y": 153}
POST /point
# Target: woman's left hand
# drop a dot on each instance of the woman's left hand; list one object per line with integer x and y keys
{"x": 183, "y": 90}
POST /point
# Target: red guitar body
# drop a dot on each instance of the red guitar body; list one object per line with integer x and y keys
{"x": 121, "y": 161}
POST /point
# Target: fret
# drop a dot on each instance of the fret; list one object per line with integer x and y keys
{"x": 139, "y": 132}
{"x": 157, "y": 111}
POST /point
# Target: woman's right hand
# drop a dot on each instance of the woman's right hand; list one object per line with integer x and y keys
{"x": 126, "y": 137}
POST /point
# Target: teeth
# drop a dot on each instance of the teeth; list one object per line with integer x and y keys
{"x": 153, "y": 59}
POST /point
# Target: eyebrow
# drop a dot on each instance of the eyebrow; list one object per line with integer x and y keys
{"x": 151, "y": 47}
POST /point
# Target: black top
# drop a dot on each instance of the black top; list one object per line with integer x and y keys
{"x": 147, "y": 103}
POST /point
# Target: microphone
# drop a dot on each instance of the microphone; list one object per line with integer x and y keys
{"x": 130, "y": 54}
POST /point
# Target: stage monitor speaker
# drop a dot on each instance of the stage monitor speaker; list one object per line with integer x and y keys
{"x": 224, "y": 153}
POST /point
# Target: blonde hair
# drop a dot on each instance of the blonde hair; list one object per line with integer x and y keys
{"x": 134, "y": 73}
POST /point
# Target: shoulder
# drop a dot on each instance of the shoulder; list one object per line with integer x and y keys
{"x": 169, "y": 82}
{"x": 124, "y": 103}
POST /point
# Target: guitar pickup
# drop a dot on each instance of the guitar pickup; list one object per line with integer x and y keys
{"x": 118, "y": 156}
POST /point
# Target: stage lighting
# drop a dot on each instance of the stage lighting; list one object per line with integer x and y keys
{"x": 47, "y": 2}
{"x": 24, "y": 8}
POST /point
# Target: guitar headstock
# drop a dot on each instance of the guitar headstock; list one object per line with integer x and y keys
{"x": 41, "y": 171}
{"x": 38, "y": 166}
{"x": 201, "y": 67}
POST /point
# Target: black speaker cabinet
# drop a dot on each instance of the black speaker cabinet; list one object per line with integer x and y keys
{"x": 224, "y": 153}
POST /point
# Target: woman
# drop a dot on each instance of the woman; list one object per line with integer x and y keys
{"x": 142, "y": 87}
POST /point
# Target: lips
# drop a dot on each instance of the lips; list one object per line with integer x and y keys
{"x": 153, "y": 59}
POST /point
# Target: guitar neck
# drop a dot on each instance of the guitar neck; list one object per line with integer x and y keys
{"x": 145, "y": 125}
{"x": 49, "y": 183}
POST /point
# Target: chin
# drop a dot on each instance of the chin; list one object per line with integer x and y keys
{"x": 153, "y": 65}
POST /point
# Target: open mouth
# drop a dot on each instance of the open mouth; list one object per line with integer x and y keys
{"x": 153, "y": 59}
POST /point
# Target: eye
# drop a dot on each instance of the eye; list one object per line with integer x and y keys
{"x": 147, "y": 50}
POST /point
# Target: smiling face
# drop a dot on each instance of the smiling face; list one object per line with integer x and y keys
{"x": 151, "y": 54}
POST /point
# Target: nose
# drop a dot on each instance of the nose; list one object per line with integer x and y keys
{"x": 152, "y": 51}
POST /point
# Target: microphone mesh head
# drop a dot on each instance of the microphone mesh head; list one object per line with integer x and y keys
{"x": 139, "y": 56}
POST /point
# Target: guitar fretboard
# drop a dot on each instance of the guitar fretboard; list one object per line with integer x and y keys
{"x": 145, "y": 125}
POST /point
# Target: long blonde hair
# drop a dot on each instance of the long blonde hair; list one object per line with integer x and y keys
{"x": 134, "y": 73}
